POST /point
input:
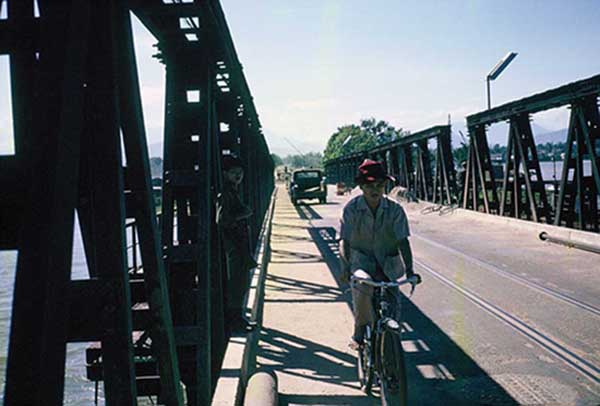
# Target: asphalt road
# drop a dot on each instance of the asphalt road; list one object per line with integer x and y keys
{"x": 500, "y": 319}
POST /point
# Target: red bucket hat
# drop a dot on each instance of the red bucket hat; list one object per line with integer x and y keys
{"x": 371, "y": 171}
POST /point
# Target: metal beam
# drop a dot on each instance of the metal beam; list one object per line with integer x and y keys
{"x": 413, "y": 138}
{"x": 549, "y": 99}
{"x": 155, "y": 280}
{"x": 36, "y": 354}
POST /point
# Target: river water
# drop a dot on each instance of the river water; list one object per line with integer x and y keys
{"x": 548, "y": 169}
{"x": 78, "y": 390}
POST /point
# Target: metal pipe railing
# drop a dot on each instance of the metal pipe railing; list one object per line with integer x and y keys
{"x": 544, "y": 236}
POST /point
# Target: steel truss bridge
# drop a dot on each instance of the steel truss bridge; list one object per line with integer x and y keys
{"x": 77, "y": 109}
{"x": 520, "y": 191}
{"x": 81, "y": 147}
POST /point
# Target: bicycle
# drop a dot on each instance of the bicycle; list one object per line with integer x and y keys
{"x": 381, "y": 355}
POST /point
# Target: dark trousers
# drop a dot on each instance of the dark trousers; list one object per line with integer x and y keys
{"x": 239, "y": 262}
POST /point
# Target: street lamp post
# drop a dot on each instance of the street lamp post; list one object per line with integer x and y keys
{"x": 496, "y": 71}
{"x": 489, "y": 97}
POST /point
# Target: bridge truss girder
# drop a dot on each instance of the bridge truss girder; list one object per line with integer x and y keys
{"x": 578, "y": 199}
{"x": 423, "y": 178}
{"x": 74, "y": 90}
{"x": 187, "y": 229}
{"x": 524, "y": 196}
{"x": 523, "y": 169}
{"x": 444, "y": 182}
{"x": 408, "y": 159}
{"x": 479, "y": 175}
{"x": 69, "y": 155}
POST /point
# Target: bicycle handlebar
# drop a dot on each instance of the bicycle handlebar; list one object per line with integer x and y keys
{"x": 413, "y": 280}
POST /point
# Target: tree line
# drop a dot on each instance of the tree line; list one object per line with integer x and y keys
{"x": 369, "y": 133}
{"x": 546, "y": 152}
{"x": 347, "y": 139}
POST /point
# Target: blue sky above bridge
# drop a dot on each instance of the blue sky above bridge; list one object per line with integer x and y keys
{"x": 314, "y": 65}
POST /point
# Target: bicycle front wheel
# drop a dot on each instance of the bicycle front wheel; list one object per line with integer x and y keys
{"x": 393, "y": 371}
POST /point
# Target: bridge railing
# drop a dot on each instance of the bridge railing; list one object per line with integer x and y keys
{"x": 410, "y": 160}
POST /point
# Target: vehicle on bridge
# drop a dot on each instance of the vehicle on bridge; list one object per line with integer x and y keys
{"x": 308, "y": 184}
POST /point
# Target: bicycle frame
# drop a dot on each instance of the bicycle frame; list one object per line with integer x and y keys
{"x": 371, "y": 361}
{"x": 381, "y": 305}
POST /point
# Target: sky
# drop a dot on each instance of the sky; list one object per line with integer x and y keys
{"x": 315, "y": 65}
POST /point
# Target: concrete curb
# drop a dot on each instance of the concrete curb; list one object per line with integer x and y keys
{"x": 239, "y": 362}
{"x": 585, "y": 237}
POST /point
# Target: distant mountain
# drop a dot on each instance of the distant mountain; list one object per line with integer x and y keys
{"x": 538, "y": 129}
{"x": 496, "y": 134}
{"x": 552, "y": 136}
{"x": 156, "y": 167}
{"x": 155, "y": 149}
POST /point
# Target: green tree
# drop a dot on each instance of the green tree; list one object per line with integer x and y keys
{"x": 277, "y": 160}
{"x": 308, "y": 160}
{"x": 380, "y": 130}
{"x": 347, "y": 139}
{"x": 355, "y": 138}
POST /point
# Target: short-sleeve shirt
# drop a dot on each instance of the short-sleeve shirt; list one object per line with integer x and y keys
{"x": 374, "y": 239}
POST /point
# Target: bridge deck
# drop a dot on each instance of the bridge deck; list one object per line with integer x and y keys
{"x": 501, "y": 318}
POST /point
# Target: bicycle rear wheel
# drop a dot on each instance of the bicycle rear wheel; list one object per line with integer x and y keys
{"x": 365, "y": 364}
{"x": 393, "y": 371}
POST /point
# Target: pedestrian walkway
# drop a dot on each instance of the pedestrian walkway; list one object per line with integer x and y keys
{"x": 307, "y": 319}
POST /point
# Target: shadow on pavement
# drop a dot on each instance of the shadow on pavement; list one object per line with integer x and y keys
{"x": 324, "y": 399}
{"x": 283, "y": 238}
{"x": 306, "y": 212}
{"x": 293, "y": 257}
{"x": 291, "y": 216}
{"x": 309, "y": 360}
{"x": 439, "y": 371}
{"x": 291, "y": 226}
{"x": 307, "y": 292}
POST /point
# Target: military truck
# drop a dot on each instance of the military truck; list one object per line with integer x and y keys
{"x": 307, "y": 184}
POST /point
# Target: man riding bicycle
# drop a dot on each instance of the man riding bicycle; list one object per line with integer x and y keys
{"x": 374, "y": 232}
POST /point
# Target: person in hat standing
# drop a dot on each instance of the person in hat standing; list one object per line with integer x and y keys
{"x": 232, "y": 215}
{"x": 374, "y": 242}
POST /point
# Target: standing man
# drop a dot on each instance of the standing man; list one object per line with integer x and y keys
{"x": 232, "y": 217}
{"x": 374, "y": 232}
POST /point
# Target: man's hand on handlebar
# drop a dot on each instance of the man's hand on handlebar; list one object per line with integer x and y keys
{"x": 414, "y": 279}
